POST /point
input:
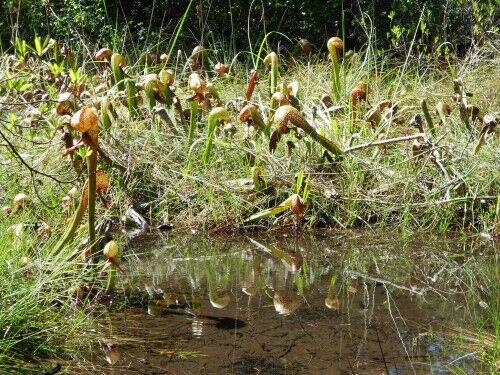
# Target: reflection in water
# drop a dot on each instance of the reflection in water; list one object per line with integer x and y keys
{"x": 219, "y": 302}
{"x": 217, "y": 285}
{"x": 295, "y": 306}
{"x": 286, "y": 303}
{"x": 291, "y": 260}
{"x": 197, "y": 327}
{"x": 331, "y": 301}
{"x": 112, "y": 354}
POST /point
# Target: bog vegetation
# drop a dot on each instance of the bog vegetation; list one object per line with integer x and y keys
{"x": 293, "y": 136}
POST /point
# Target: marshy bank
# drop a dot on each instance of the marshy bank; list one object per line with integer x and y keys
{"x": 200, "y": 142}
{"x": 362, "y": 140}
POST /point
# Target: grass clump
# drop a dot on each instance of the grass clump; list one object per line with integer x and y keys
{"x": 378, "y": 164}
{"x": 38, "y": 318}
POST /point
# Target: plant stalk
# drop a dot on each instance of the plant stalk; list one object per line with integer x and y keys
{"x": 428, "y": 117}
{"x": 192, "y": 121}
{"x": 92, "y": 164}
{"x": 131, "y": 99}
{"x": 216, "y": 115}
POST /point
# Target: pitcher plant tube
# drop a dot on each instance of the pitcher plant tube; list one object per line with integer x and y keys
{"x": 219, "y": 114}
{"x": 250, "y": 111}
{"x": 85, "y": 121}
{"x": 118, "y": 62}
{"x": 102, "y": 184}
{"x": 112, "y": 253}
{"x": 427, "y": 116}
{"x": 287, "y": 115}
{"x": 271, "y": 60}
{"x": 335, "y": 44}
{"x": 489, "y": 125}
{"x": 252, "y": 80}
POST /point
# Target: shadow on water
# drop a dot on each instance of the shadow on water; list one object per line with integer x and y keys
{"x": 348, "y": 303}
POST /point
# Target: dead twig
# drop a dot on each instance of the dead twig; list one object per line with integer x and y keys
{"x": 383, "y": 142}
{"x": 30, "y": 168}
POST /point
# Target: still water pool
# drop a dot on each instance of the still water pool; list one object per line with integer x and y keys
{"x": 336, "y": 303}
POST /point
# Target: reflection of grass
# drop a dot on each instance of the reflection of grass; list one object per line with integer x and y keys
{"x": 465, "y": 272}
{"x": 482, "y": 345}
{"x": 179, "y": 354}
{"x": 482, "y": 336}
{"x": 436, "y": 272}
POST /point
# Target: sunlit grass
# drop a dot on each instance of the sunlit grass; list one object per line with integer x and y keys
{"x": 37, "y": 323}
{"x": 197, "y": 174}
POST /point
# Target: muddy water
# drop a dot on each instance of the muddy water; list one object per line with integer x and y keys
{"x": 345, "y": 303}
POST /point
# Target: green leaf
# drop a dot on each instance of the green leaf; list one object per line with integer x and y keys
{"x": 305, "y": 193}
{"x": 38, "y": 45}
{"x": 283, "y": 206}
{"x": 298, "y": 184}
{"x": 73, "y": 76}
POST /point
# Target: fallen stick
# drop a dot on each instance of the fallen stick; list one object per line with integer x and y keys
{"x": 418, "y": 291}
{"x": 383, "y": 142}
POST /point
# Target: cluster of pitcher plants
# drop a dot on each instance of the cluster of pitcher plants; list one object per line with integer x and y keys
{"x": 183, "y": 100}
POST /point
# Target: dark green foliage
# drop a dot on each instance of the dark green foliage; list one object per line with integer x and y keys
{"x": 139, "y": 21}
{"x": 68, "y": 20}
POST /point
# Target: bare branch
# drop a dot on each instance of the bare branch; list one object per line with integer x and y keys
{"x": 384, "y": 142}
{"x": 30, "y": 168}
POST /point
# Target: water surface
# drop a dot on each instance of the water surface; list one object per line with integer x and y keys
{"x": 348, "y": 303}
